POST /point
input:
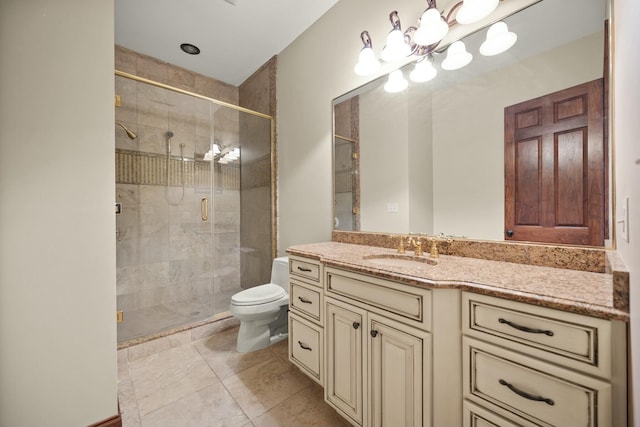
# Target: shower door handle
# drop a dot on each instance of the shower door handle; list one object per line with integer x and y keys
{"x": 204, "y": 209}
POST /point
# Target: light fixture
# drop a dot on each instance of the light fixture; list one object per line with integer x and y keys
{"x": 396, "y": 47}
{"x": 424, "y": 41}
{"x": 396, "y": 82}
{"x": 423, "y": 71}
{"x": 499, "y": 39}
{"x": 474, "y": 10}
{"x": 367, "y": 62}
{"x": 457, "y": 56}
{"x": 432, "y": 28}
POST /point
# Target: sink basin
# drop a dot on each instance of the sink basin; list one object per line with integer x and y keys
{"x": 400, "y": 260}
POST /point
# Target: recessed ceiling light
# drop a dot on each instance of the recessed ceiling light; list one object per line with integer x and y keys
{"x": 190, "y": 49}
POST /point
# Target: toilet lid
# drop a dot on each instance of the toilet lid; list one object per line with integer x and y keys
{"x": 258, "y": 295}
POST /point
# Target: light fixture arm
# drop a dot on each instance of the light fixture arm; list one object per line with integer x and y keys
{"x": 366, "y": 39}
{"x": 395, "y": 20}
{"x": 453, "y": 9}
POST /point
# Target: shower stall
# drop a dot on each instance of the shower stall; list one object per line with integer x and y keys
{"x": 194, "y": 205}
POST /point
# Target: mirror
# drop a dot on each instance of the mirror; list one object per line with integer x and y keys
{"x": 430, "y": 159}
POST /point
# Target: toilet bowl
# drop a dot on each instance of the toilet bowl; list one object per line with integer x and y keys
{"x": 262, "y": 310}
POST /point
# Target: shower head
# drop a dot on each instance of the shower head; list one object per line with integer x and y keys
{"x": 130, "y": 133}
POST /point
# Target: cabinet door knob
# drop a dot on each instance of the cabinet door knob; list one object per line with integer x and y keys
{"x": 374, "y": 333}
{"x": 509, "y": 233}
{"x": 356, "y": 325}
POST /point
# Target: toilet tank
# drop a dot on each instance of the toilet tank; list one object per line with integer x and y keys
{"x": 280, "y": 272}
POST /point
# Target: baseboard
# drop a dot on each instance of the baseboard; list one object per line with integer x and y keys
{"x": 115, "y": 421}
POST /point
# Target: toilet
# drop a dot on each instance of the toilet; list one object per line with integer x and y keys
{"x": 262, "y": 310}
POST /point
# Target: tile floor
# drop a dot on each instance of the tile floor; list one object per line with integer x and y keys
{"x": 207, "y": 383}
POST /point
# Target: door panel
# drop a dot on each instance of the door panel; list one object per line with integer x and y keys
{"x": 396, "y": 374}
{"x": 555, "y": 167}
{"x": 528, "y": 182}
{"x": 571, "y": 178}
{"x": 344, "y": 360}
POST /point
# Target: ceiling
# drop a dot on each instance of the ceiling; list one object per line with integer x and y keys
{"x": 235, "y": 37}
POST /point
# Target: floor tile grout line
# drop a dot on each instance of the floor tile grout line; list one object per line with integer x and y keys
{"x": 223, "y": 384}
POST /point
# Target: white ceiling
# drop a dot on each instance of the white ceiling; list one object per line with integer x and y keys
{"x": 234, "y": 39}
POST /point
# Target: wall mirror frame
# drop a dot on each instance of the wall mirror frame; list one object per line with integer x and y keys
{"x": 431, "y": 159}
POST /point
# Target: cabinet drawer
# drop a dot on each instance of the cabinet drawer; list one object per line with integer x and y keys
{"x": 305, "y": 347}
{"x": 571, "y": 336}
{"x": 476, "y": 416}
{"x": 540, "y": 392}
{"x": 411, "y": 303}
{"x": 306, "y": 300}
{"x": 306, "y": 269}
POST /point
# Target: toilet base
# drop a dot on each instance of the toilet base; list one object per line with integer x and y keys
{"x": 256, "y": 335}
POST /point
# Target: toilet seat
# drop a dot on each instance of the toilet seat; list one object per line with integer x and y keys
{"x": 262, "y": 294}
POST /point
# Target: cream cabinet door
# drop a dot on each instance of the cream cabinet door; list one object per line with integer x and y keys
{"x": 397, "y": 368}
{"x": 344, "y": 346}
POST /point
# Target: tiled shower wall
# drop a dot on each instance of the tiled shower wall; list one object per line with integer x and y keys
{"x": 166, "y": 255}
{"x": 257, "y": 93}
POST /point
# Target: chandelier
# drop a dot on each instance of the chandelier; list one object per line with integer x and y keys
{"x": 423, "y": 41}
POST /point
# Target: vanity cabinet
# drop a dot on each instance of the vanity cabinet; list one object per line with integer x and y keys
{"x": 378, "y": 364}
{"x": 306, "y": 318}
{"x": 538, "y": 366}
{"x": 391, "y": 353}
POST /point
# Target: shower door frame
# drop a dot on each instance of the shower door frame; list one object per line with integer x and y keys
{"x": 273, "y": 187}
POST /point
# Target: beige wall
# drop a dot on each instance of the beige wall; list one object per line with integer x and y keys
{"x": 627, "y": 157}
{"x": 57, "y": 251}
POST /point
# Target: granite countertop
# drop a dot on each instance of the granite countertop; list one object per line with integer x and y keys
{"x": 580, "y": 292}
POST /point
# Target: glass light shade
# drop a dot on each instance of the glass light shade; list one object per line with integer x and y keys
{"x": 499, "y": 39}
{"x": 423, "y": 71}
{"x": 474, "y": 10}
{"x": 432, "y": 28}
{"x": 396, "y": 82}
{"x": 396, "y": 47}
{"x": 457, "y": 56}
{"x": 216, "y": 149}
{"x": 367, "y": 63}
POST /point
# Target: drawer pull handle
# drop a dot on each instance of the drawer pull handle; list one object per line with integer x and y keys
{"x": 525, "y": 394}
{"x": 356, "y": 325}
{"x": 525, "y": 329}
{"x": 304, "y": 300}
{"x": 305, "y": 269}
{"x": 374, "y": 333}
{"x": 304, "y": 346}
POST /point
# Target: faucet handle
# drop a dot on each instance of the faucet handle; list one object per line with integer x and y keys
{"x": 418, "y": 251}
{"x": 433, "y": 252}
{"x": 401, "y": 249}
